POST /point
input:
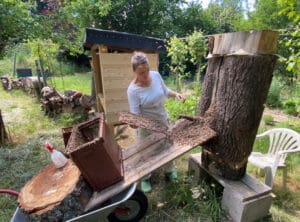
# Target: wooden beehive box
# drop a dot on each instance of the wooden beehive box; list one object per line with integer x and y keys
{"x": 111, "y": 60}
{"x": 96, "y": 154}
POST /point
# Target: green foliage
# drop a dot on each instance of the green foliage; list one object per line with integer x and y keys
{"x": 6, "y": 66}
{"x": 197, "y": 47}
{"x": 265, "y": 16}
{"x": 226, "y": 14}
{"x": 175, "y": 107}
{"x": 193, "y": 17}
{"x": 290, "y": 8}
{"x": 70, "y": 119}
{"x": 15, "y": 22}
{"x": 202, "y": 198}
{"x": 192, "y": 50}
{"x": 273, "y": 99}
{"x": 177, "y": 51}
{"x": 290, "y": 107}
{"x": 78, "y": 82}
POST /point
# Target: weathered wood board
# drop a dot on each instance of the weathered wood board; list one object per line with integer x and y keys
{"x": 246, "y": 42}
{"x": 144, "y": 157}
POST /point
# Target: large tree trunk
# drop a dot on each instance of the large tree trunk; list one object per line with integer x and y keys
{"x": 234, "y": 92}
{"x": 55, "y": 194}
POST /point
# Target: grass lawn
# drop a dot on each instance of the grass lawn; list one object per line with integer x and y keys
{"x": 30, "y": 128}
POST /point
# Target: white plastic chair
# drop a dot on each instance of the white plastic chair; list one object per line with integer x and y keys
{"x": 282, "y": 142}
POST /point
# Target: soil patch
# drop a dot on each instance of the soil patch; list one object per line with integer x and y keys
{"x": 278, "y": 115}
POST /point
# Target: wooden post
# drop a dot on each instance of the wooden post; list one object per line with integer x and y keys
{"x": 97, "y": 77}
{"x": 15, "y": 62}
{"x": 3, "y": 134}
{"x": 235, "y": 88}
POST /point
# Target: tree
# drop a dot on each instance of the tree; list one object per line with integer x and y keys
{"x": 226, "y": 13}
{"x": 264, "y": 16}
{"x": 192, "y": 17}
{"x": 15, "y": 22}
{"x": 177, "y": 51}
{"x": 292, "y": 35}
{"x": 197, "y": 47}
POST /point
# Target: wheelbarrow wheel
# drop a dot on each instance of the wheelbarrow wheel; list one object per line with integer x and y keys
{"x": 132, "y": 210}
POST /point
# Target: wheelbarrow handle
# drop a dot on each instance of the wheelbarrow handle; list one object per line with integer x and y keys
{"x": 8, "y": 191}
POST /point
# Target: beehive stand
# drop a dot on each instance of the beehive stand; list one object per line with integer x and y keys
{"x": 246, "y": 199}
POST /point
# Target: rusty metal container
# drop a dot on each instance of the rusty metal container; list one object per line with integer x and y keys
{"x": 95, "y": 152}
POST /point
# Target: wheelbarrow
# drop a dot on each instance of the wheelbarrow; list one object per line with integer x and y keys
{"x": 130, "y": 205}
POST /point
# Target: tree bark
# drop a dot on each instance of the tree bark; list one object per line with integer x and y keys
{"x": 55, "y": 194}
{"x": 234, "y": 91}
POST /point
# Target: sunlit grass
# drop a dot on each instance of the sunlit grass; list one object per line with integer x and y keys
{"x": 77, "y": 82}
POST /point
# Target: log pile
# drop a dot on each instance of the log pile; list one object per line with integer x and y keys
{"x": 9, "y": 84}
{"x": 31, "y": 85}
{"x": 52, "y": 102}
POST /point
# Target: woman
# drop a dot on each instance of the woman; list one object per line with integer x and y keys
{"x": 146, "y": 96}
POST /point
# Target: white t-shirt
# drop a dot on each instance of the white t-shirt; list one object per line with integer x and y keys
{"x": 149, "y": 101}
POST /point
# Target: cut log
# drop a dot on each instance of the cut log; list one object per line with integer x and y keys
{"x": 234, "y": 92}
{"x": 55, "y": 194}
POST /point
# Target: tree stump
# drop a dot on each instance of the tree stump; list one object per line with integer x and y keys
{"x": 55, "y": 194}
{"x": 235, "y": 88}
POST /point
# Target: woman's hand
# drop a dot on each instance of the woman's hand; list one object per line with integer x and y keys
{"x": 180, "y": 97}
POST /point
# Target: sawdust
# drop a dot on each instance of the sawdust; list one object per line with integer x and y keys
{"x": 127, "y": 137}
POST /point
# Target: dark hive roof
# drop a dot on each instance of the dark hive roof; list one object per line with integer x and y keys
{"x": 121, "y": 40}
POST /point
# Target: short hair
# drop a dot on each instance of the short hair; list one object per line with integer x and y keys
{"x": 138, "y": 58}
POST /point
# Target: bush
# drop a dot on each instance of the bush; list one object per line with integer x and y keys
{"x": 175, "y": 107}
{"x": 290, "y": 107}
{"x": 269, "y": 120}
{"x": 273, "y": 99}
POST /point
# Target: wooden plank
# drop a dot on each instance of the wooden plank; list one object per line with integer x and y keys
{"x": 142, "y": 163}
{"x": 115, "y": 94}
{"x": 116, "y": 105}
{"x": 118, "y": 70}
{"x": 101, "y": 102}
{"x": 97, "y": 79}
{"x": 116, "y": 75}
{"x": 114, "y": 84}
{"x": 125, "y": 59}
{"x": 245, "y": 43}
{"x": 135, "y": 148}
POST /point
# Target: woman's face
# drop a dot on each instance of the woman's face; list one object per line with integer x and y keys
{"x": 142, "y": 73}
